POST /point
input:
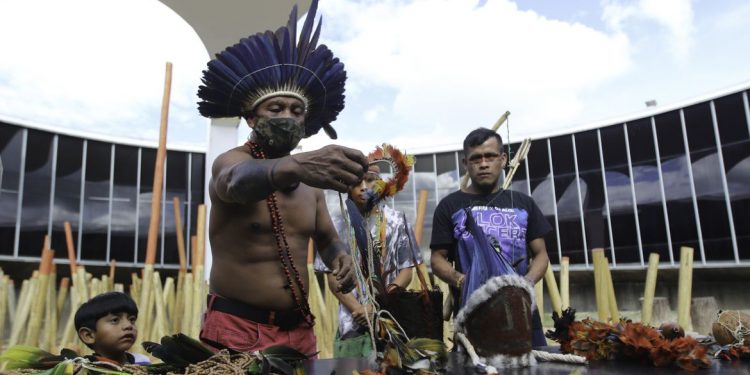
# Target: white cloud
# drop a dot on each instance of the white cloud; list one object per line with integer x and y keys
{"x": 676, "y": 16}
{"x": 450, "y": 66}
{"x": 98, "y": 66}
{"x": 372, "y": 114}
{"x": 422, "y": 73}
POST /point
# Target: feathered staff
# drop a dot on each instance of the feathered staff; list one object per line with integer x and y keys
{"x": 400, "y": 163}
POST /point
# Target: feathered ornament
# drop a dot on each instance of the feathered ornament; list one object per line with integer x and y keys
{"x": 400, "y": 163}
{"x": 626, "y": 340}
{"x": 24, "y": 359}
{"x": 271, "y": 64}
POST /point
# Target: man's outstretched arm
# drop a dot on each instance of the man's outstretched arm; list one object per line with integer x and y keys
{"x": 238, "y": 178}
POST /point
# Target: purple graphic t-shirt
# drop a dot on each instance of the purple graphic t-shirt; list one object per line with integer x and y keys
{"x": 509, "y": 219}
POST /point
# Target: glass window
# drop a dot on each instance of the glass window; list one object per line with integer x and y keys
{"x": 709, "y": 190}
{"x": 424, "y": 181}
{"x": 96, "y": 198}
{"x": 148, "y": 160}
{"x": 198, "y": 170}
{"x": 124, "y": 203}
{"x": 11, "y": 144}
{"x": 461, "y": 167}
{"x": 541, "y": 191}
{"x": 647, "y": 189}
{"x": 592, "y": 191}
{"x": 735, "y": 144}
{"x": 619, "y": 193}
{"x": 67, "y": 206}
{"x": 424, "y": 163}
{"x": 37, "y": 186}
{"x": 197, "y": 179}
{"x": 566, "y": 198}
{"x": 447, "y": 174}
{"x": 177, "y": 186}
{"x": 674, "y": 169}
{"x": 406, "y": 201}
{"x": 519, "y": 183}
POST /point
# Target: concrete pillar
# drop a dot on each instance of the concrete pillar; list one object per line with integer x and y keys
{"x": 222, "y": 136}
{"x": 703, "y": 310}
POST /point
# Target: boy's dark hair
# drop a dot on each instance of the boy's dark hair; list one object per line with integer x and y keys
{"x": 100, "y": 306}
{"x": 479, "y": 136}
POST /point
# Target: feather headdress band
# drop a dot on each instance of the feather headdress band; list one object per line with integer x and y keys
{"x": 401, "y": 164}
{"x": 274, "y": 64}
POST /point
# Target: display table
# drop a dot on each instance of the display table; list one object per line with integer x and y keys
{"x": 345, "y": 366}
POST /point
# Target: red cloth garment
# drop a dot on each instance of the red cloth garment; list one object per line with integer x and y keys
{"x": 247, "y": 336}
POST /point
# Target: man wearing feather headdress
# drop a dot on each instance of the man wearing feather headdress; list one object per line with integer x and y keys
{"x": 266, "y": 203}
{"x": 511, "y": 221}
{"x": 394, "y": 243}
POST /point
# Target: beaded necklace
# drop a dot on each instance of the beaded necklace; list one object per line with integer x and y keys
{"x": 285, "y": 255}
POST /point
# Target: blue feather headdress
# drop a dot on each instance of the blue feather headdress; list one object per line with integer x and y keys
{"x": 275, "y": 64}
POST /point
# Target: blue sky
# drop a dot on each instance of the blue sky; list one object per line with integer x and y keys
{"x": 422, "y": 73}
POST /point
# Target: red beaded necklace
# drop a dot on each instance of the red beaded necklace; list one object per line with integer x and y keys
{"x": 285, "y": 255}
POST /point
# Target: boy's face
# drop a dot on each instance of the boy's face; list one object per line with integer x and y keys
{"x": 358, "y": 193}
{"x": 114, "y": 335}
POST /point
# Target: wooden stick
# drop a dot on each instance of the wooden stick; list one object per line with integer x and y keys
{"x": 50, "y": 315}
{"x": 161, "y": 155}
{"x": 4, "y": 288}
{"x": 180, "y": 235}
{"x": 564, "y": 282}
{"x": 78, "y": 295}
{"x": 21, "y": 300}
{"x": 12, "y": 300}
{"x": 684, "y": 288}
{"x": 179, "y": 302}
{"x": 40, "y": 297}
{"x": 187, "y": 316}
{"x": 323, "y": 335}
{"x": 199, "y": 283}
{"x": 62, "y": 294}
{"x": 495, "y": 127}
{"x": 143, "y": 304}
{"x": 419, "y": 223}
{"x": 200, "y": 236}
{"x": 521, "y": 154}
{"x": 25, "y": 307}
{"x": 112, "y": 267}
{"x": 602, "y": 299}
{"x": 160, "y": 324}
{"x": 193, "y": 253}
{"x": 539, "y": 291}
{"x": 554, "y": 293}
{"x": 135, "y": 286}
{"x": 199, "y": 300}
{"x": 647, "y": 309}
{"x": 71, "y": 248}
{"x": 614, "y": 313}
{"x": 418, "y": 234}
{"x": 169, "y": 298}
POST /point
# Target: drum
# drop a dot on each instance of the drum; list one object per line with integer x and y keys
{"x": 496, "y": 320}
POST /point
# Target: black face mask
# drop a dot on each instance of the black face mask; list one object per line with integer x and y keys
{"x": 279, "y": 135}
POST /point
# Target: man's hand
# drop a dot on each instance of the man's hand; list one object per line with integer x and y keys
{"x": 332, "y": 167}
{"x": 343, "y": 272}
{"x": 362, "y": 313}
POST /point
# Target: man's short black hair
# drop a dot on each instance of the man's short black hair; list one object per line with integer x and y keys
{"x": 479, "y": 136}
{"x": 102, "y": 305}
